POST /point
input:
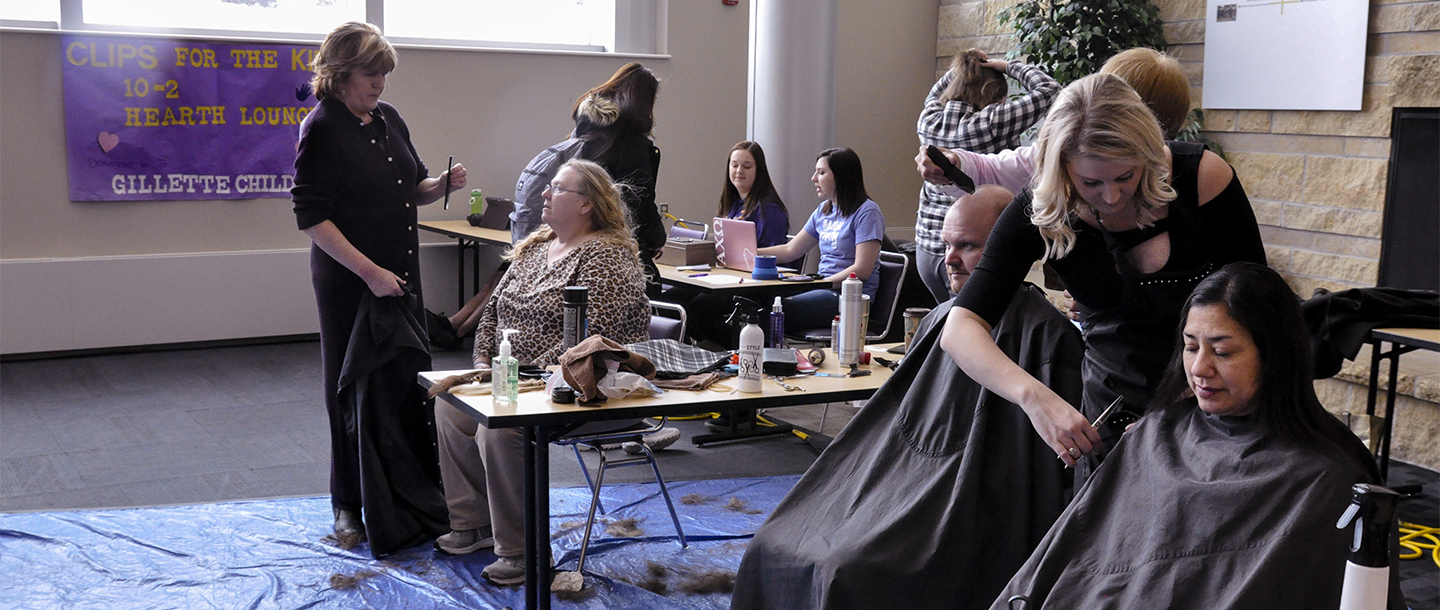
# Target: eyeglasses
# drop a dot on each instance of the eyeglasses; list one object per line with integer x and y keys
{"x": 556, "y": 189}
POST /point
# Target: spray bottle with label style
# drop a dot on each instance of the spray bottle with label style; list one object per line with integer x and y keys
{"x": 752, "y": 343}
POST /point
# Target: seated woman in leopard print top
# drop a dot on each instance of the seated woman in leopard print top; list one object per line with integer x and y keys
{"x": 585, "y": 241}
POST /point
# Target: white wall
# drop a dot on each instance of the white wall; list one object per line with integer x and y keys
{"x": 162, "y": 272}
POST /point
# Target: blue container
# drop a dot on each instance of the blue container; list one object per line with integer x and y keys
{"x": 765, "y": 268}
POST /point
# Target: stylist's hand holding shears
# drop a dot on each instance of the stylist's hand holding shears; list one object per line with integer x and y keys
{"x": 966, "y": 339}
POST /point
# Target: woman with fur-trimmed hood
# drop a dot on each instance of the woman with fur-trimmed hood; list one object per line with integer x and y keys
{"x": 615, "y": 120}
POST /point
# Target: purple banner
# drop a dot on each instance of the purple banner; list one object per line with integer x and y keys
{"x": 158, "y": 119}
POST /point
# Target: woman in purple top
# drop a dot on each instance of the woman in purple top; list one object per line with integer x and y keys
{"x": 749, "y": 195}
{"x": 848, "y": 227}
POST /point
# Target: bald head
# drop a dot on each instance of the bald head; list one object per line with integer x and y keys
{"x": 967, "y": 225}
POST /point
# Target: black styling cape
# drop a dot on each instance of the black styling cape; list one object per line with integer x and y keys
{"x": 1193, "y": 510}
{"x": 387, "y": 414}
{"x": 934, "y": 494}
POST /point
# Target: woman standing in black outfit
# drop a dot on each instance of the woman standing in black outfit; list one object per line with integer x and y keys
{"x": 358, "y": 181}
{"x": 615, "y": 120}
{"x": 1131, "y": 225}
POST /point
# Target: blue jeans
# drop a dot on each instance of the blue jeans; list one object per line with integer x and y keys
{"x": 810, "y": 310}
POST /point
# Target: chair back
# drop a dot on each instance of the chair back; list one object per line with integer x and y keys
{"x": 893, "y": 266}
{"x": 688, "y": 228}
{"x": 667, "y": 327}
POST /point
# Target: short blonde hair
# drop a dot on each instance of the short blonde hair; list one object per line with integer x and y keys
{"x": 1158, "y": 79}
{"x": 609, "y": 218}
{"x": 1097, "y": 116}
{"x": 350, "y": 48}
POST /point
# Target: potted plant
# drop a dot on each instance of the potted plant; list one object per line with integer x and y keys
{"x": 1071, "y": 39}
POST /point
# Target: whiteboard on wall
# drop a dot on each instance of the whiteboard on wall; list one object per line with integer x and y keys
{"x": 1285, "y": 54}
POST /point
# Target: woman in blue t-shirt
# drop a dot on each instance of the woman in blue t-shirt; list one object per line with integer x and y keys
{"x": 749, "y": 195}
{"x": 848, "y": 226}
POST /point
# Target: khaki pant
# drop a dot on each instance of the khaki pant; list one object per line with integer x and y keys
{"x": 484, "y": 475}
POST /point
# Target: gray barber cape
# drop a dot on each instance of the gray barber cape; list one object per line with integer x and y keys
{"x": 1193, "y": 510}
{"x": 934, "y": 494}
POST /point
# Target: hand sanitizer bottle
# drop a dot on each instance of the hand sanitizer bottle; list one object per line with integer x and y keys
{"x": 505, "y": 375}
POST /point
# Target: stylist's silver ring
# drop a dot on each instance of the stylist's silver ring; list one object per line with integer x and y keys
{"x": 1074, "y": 453}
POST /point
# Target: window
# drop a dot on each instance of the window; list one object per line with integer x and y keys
{"x": 576, "y": 25}
{"x": 283, "y": 16}
{"x": 569, "y": 23}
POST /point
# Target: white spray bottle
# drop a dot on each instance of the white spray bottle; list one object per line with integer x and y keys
{"x": 1367, "y": 573}
{"x": 752, "y": 347}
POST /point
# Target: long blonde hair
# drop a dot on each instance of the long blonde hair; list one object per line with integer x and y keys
{"x": 609, "y": 218}
{"x": 1097, "y": 116}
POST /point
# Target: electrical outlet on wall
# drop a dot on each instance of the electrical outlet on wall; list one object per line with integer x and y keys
{"x": 664, "y": 209}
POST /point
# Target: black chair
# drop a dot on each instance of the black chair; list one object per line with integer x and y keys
{"x": 893, "y": 267}
{"x": 661, "y": 327}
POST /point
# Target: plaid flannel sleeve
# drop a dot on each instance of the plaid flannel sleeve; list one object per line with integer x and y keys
{"x": 943, "y": 123}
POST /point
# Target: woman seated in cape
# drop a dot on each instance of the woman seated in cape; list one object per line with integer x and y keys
{"x": 1226, "y": 493}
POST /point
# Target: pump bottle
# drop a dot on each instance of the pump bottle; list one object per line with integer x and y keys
{"x": 777, "y": 325}
{"x": 505, "y": 374}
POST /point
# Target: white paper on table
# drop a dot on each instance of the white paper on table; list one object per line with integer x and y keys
{"x": 720, "y": 280}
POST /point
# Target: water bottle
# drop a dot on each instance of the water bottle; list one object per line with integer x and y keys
{"x": 777, "y": 325}
{"x": 852, "y": 333}
{"x": 477, "y": 201}
{"x": 575, "y": 327}
{"x": 752, "y": 344}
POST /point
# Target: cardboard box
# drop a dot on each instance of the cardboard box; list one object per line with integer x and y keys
{"x": 687, "y": 251}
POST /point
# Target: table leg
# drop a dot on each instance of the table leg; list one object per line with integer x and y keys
{"x": 460, "y": 273}
{"x": 532, "y": 564}
{"x": 475, "y": 265}
{"x": 543, "y": 568}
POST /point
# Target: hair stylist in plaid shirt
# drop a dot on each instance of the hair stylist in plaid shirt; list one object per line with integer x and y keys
{"x": 967, "y": 109}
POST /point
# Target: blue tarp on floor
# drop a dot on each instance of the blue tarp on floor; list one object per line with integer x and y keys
{"x": 275, "y": 554}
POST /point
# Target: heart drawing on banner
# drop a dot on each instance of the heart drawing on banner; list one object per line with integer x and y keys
{"x": 107, "y": 141}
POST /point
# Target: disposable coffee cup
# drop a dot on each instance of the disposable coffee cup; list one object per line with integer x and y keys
{"x": 913, "y": 316}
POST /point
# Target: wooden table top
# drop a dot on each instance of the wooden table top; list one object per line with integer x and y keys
{"x": 535, "y": 408}
{"x": 729, "y": 281}
{"x": 462, "y": 229}
{"x": 1425, "y": 338}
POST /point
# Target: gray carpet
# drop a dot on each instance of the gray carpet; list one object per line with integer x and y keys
{"x": 230, "y": 423}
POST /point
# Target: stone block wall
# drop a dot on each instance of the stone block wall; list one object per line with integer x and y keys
{"x": 1317, "y": 180}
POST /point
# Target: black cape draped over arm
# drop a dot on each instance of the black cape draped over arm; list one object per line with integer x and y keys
{"x": 934, "y": 494}
{"x": 388, "y": 416}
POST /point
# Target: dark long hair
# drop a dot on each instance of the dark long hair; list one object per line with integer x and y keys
{"x": 1260, "y": 301}
{"x": 621, "y": 106}
{"x": 849, "y": 179}
{"x": 761, "y": 190}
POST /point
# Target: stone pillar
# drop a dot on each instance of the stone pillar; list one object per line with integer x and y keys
{"x": 791, "y": 103}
